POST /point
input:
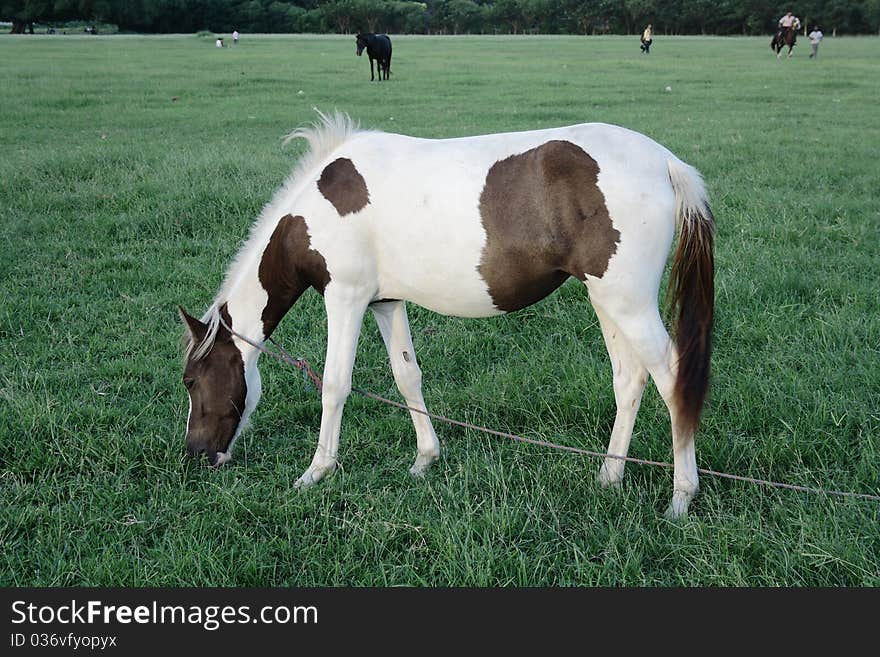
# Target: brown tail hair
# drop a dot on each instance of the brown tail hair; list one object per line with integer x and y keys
{"x": 691, "y": 293}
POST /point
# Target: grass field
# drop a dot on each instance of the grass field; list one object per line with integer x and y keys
{"x": 131, "y": 170}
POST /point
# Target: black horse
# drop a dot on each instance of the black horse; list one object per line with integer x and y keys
{"x": 785, "y": 36}
{"x": 379, "y": 48}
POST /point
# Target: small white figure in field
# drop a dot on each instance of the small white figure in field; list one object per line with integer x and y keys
{"x": 668, "y": 88}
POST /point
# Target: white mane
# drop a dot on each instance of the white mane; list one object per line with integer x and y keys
{"x": 324, "y": 135}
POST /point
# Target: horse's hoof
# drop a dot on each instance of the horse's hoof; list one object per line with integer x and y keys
{"x": 313, "y": 475}
{"x": 423, "y": 463}
{"x": 679, "y": 506}
{"x": 610, "y": 477}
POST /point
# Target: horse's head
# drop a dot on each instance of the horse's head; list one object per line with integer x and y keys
{"x": 222, "y": 393}
{"x": 361, "y": 43}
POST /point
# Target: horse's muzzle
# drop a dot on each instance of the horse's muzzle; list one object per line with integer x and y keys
{"x": 195, "y": 452}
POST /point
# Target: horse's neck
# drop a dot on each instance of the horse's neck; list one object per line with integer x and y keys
{"x": 271, "y": 277}
{"x": 245, "y": 301}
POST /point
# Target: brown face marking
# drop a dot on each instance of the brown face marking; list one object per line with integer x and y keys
{"x": 217, "y": 391}
{"x": 288, "y": 267}
{"x": 545, "y": 220}
{"x": 344, "y": 187}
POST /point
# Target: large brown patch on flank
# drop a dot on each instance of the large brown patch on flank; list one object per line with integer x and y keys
{"x": 288, "y": 268}
{"x": 545, "y": 220}
{"x": 344, "y": 186}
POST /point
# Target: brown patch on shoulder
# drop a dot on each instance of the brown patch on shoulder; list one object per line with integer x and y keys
{"x": 288, "y": 268}
{"x": 344, "y": 186}
{"x": 545, "y": 220}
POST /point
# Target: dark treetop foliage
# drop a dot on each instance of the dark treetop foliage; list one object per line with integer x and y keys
{"x": 448, "y": 16}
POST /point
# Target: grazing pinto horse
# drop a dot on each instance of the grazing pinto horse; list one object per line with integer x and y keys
{"x": 379, "y": 48}
{"x": 785, "y": 36}
{"x": 473, "y": 227}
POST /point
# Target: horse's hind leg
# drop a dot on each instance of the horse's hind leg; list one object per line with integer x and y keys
{"x": 647, "y": 337}
{"x": 394, "y": 326}
{"x": 629, "y": 382}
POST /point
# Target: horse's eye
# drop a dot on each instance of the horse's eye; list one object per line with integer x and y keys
{"x": 189, "y": 383}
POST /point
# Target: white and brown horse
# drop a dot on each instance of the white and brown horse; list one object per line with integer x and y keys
{"x": 473, "y": 227}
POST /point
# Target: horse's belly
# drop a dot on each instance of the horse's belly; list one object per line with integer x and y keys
{"x": 439, "y": 273}
{"x": 428, "y": 237}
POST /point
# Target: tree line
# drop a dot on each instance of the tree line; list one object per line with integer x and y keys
{"x": 722, "y": 17}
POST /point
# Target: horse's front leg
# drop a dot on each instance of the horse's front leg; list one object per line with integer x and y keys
{"x": 345, "y": 313}
{"x": 371, "y": 69}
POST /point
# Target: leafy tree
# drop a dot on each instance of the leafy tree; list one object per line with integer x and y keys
{"x": 24, "y": 13}
{"x": 455, "y": 16}
{"x": 507, "y": 13}
{"x": 576, "y": 16}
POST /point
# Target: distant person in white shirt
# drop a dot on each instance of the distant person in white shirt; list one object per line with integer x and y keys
{"x": 235, "y": 36}
{"x": 647, "y": 39}
{"x": 815, "y": 39}
{"x": 219, "y": 43}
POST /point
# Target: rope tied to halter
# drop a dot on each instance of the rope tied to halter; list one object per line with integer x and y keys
{"x": 308, "y": 373}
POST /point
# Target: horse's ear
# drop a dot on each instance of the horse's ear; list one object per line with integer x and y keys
{"x": 197, "y": 330}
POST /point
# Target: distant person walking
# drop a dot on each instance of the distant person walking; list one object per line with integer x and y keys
{"x": 235, "y": 36}
{"x": 816, "y": 37}
{"x": 647, "y": 39}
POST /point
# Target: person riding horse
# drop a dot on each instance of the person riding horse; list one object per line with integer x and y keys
{"x": 787, "y": 23}
{"x": 786, "y": 33}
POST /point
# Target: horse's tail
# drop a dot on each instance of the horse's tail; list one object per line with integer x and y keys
{"x": 691, "y": 293}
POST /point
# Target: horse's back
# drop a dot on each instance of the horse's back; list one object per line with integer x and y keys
{"x": 382, "y": 43}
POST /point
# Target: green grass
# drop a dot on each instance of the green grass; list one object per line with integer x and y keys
{"x": 119, "y": 202}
